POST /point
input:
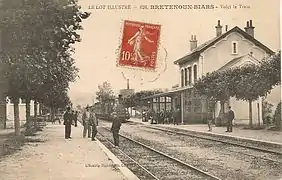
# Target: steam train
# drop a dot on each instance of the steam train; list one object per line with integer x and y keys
{"x": 104, "y": 111}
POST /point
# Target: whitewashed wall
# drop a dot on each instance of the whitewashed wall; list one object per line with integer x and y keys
{"x": 22, "y": 113}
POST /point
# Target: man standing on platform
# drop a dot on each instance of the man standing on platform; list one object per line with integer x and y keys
{"x": 93, "y": 124}
{"x": 67, "y": 123}
{"x": 230, "y": 117}
{"x": 118, "y": 117}
{"x": 85, "y": 122}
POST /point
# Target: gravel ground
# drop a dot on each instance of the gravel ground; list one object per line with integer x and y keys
{"x": 135, "y": 168}
{"x": 217, "y": 158}
{"x": 160, "y": 166}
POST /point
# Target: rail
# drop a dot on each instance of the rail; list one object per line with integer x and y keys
{"x": 169, "y": 157}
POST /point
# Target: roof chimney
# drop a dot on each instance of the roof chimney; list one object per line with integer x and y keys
{"x": 250, "y": 28}
{"x": 226, "y": 28}
{"x": 193, "y": 42}
{"x": 218, "y": 29}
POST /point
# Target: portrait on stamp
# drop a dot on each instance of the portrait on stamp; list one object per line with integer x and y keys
{"x": 139, "y": 46}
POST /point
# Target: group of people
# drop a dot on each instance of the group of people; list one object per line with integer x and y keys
{"x": 90, "y": 122}
{"x": 169, "y": 117}
{"x": 162, "y": 117}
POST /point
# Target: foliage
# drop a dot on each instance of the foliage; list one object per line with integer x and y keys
{"x": 215, "y": 86}
{"x": 37, "y": 48}
{"x": 266, "y": 112}
{"x": 249, "y": 84}
{"x": 105, "y": 93}
{"x": 56, "y": 98}
{"x": 277, "y": 116}
{"x": 138, "y": 97}
{"x": 270, "y": 69}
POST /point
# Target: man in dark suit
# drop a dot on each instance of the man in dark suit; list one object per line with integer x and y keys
{"x": 118, "y": 117}
{"x": 230, "y": 117}
{"x": 67, "y": 123}
{"x": 86, "y": 122}
{"x": 93, "y": 123}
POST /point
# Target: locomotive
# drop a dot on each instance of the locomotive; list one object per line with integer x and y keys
{"x": 104, "y": 111}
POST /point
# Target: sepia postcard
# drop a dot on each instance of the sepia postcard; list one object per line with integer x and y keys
{"x": 162, "y": 89}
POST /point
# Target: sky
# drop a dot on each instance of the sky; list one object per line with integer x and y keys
{"x": 96, "y": 55}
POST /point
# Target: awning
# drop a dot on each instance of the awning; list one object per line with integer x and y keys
{"x": 169, "y": 93}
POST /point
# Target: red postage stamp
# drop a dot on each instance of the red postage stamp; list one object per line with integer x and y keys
{"x": 139, "y": 47}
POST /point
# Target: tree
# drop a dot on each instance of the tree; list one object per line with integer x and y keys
{"x": 138, "y": 97}
{"x": 43, "y": 41}
{"x": 277, "y": 117}
{"x": 105, "y": 94}
{"x": 247, "y": 83}
{"x": 216, "y": 86}
{"x": 250, "y": 85}
{"x": 270, "y": 69}
{"x": 266, "y": 112}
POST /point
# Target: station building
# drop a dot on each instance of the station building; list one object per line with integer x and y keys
{"x": 233, "y": 48}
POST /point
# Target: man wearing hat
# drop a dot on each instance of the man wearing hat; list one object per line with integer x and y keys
{"x": 118, "y": 117}
{"x": 93, "y": 123}
{"x": 86, "y": 122}
{"x": 67, "y": 123}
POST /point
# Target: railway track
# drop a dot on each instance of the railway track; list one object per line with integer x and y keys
{"x": 149, "y": 163}
{"x": 276, "y": 151}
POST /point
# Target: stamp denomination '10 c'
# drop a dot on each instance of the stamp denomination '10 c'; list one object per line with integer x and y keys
{"x": 139, "y": 47}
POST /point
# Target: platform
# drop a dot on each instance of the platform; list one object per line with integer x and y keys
{"x": 51, "y": 157}
{"x": 262, "y": 135}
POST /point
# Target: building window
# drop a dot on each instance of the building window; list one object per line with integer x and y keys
{"x": 185, "y": 76}
{"x": 195, "y": 72}
{"x": 162, "y": 106}
{"x": 182, "y": 77}
{"x": 189, "y": 75}
{"x": 168, "y": 106}
{"x": 155, "y": 107}
{"x": 168, "y": 99}
{"x": 234, "y": 48}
